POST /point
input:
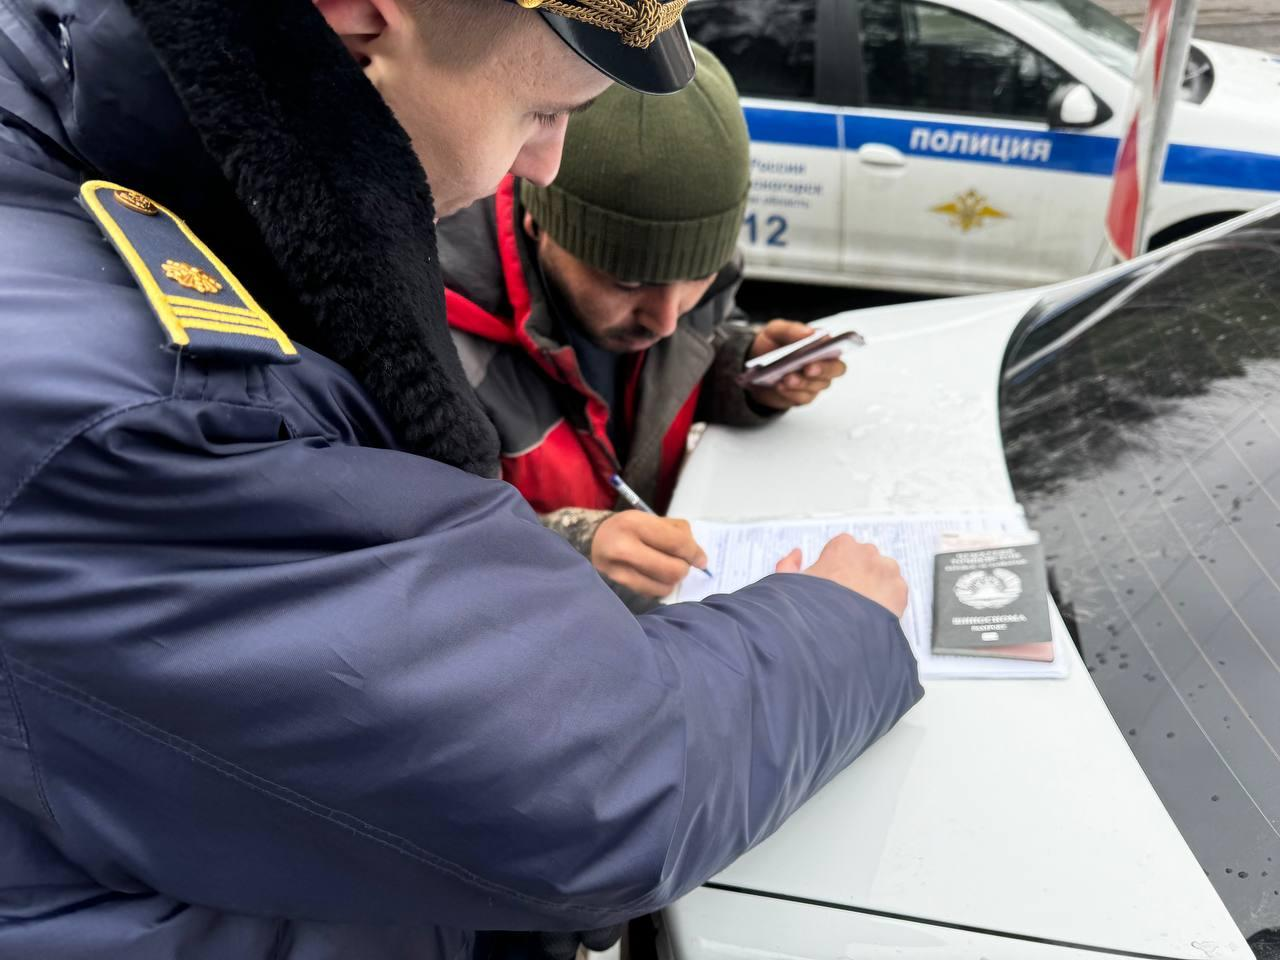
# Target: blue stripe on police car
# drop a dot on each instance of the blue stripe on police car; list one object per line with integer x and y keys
{"x": 976, "y": 143}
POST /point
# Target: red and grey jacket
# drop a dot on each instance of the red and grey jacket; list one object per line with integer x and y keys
{"x": 553, "y": 427}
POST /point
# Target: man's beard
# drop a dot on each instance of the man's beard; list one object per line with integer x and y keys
{"x": 630, "y": 338}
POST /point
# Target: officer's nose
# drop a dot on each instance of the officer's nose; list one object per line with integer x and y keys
{"x": 659, "y": 313}
{"x": 539, "y": 159}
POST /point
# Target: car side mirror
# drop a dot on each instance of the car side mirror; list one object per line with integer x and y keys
{"x": 1075, "y": 105}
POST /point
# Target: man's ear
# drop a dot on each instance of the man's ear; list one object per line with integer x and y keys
{"x": 530, "y": 228}
{"x": 359, "y": 23}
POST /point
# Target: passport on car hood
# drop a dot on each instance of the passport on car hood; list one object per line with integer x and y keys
{"x": 992, "y": 600}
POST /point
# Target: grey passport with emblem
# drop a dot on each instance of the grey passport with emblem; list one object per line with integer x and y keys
{"x": 992, "y": 600}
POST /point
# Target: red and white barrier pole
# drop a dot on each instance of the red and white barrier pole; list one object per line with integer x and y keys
{"x": 1157, "y": 85}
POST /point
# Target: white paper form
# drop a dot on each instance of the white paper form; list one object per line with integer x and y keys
{"x": 742, "y": 553}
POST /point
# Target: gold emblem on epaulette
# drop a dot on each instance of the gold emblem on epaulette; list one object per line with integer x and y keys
{"x": 136, "y": 202}
{"x": 193, "y": 278}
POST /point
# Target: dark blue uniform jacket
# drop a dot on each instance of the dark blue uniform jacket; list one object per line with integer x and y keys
{"x": 271, "y": 687}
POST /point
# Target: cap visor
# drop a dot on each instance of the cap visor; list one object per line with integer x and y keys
{"x": 666, "y": 66}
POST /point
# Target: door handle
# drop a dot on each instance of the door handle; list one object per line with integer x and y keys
{"x": 881, "y": 155}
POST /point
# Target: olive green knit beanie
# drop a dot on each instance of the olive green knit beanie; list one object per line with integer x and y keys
{"x": 652, "y": 189}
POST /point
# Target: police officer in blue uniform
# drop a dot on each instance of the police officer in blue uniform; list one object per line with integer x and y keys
{"x": 283, "y": 672}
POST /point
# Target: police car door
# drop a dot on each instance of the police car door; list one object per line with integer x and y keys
{"x": 950, "y": 180}
{"x": 794, "y": 220}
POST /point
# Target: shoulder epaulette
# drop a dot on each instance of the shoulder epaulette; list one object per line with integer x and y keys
{"x": 202, "y": 307}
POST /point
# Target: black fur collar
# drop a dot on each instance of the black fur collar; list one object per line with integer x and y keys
{"x": 331, "y": 182}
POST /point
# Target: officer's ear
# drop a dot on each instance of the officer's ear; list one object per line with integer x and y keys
{"x": 360, "y": 23}
{"x": 530, "y": 228}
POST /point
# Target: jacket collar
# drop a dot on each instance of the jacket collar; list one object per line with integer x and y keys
{"x": 534, "y": 314}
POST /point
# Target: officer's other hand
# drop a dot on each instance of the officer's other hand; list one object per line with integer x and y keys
{"x": 798, "y": 388}
{"x": 860, "y": 567}
{"x": 647, "y": 554}
{"x": 793, "y": 562}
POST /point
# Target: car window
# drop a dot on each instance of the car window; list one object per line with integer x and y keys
{"x": 1113, "y": 41}
{"x": 1103, "y": 34}
{"x": 927, "y": 57}
{"x": 1141, "y": 424}
{"x": 767, "y": 45}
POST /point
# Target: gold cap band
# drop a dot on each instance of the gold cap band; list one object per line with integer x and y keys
{"x": 639, "y": 24}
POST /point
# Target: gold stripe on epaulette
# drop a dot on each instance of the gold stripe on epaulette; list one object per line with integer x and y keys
{"x": 187, "y": 313}
{"x": 184, "y": 310}
{"x": 178, "y": 314}
{"x": 207, "y": 305}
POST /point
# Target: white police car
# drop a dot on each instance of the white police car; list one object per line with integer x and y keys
{"x": 953, "y": 146}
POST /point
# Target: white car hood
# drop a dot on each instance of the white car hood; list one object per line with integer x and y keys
{"x": 907, "y": 830}
{"x": 1013, "y": 808}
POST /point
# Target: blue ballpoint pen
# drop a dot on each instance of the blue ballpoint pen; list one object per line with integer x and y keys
{"x": 633, "y": 498}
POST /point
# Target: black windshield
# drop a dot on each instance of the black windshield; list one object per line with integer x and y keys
{"x": 1143, "y": 438}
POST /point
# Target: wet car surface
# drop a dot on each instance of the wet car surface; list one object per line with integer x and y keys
{"x": 1142, "y": 428}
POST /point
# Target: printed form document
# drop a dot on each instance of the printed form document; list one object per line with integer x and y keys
{"x": 742, "y": 553}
